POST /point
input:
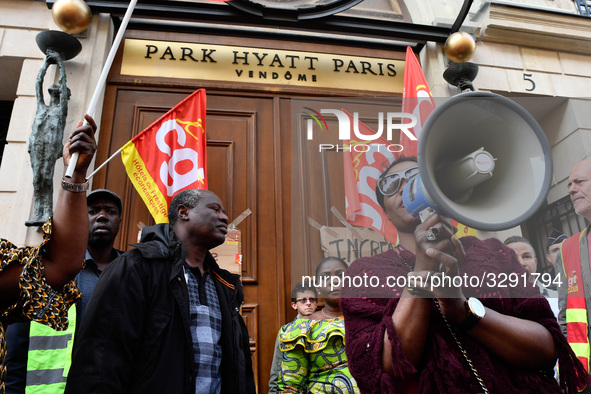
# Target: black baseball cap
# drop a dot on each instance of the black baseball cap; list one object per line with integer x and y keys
{"x": 105, "y": 193}
{"x": 555, "y": 237}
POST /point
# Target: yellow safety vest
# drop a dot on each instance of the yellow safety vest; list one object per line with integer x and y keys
{"x": 49, "y": 357}
{"x": 576, "y": 308}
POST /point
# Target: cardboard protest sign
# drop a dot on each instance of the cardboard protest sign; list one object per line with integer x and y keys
{"x": 229, "y": 254}
{"x": 350, "y": 245}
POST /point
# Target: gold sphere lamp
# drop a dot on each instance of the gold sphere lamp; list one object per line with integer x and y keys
{"x": 72, "y": 16}
{"x": 460, "y": 47}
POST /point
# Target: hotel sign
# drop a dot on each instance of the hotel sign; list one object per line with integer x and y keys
{"x": 257, "y": 65}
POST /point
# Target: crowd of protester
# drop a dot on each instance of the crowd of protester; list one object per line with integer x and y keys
{"x": 164, "y": 317}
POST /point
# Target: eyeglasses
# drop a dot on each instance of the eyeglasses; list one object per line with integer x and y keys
{"x": 306, "y": 300}
{"x": 555, "y": 250}
{"x": 390, "y": 184}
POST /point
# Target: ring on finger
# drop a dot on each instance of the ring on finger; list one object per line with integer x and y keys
{"x": 432, "y": 234}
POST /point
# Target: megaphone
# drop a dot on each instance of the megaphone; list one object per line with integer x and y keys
{"x": 483, "y": 161}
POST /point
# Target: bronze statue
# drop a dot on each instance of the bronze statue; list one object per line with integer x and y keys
{"x": 45, "y": 143}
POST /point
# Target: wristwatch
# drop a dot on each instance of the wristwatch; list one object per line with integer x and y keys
{"x": 475, "y": 311}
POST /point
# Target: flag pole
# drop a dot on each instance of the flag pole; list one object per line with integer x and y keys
{"x": 102, "y": 80}
{"x": 104, "y": 163}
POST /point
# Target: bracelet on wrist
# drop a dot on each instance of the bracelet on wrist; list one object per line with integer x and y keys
{"x": 74, "y": 187}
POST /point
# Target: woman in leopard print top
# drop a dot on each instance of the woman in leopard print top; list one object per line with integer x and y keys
{"x": 38, "y": 283}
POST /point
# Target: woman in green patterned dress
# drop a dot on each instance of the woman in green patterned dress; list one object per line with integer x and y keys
{"x": 314, "y": 359}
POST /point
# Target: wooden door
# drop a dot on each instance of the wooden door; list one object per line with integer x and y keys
{"x": 243, "y": 169}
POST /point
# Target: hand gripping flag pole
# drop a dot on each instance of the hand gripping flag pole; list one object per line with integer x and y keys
{"x": 102, "y": 80}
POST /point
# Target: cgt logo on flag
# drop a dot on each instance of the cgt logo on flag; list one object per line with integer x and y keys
{"x": 184, "y": 152}
{"x": 169, "y": 155}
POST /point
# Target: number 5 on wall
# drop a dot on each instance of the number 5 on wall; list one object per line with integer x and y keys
{"x": 527, "y": 77}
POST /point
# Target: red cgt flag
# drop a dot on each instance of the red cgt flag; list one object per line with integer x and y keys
{"x": 416, "y": 100}
{"x": 169, "y": 155}
{"x": 362, "y": 170}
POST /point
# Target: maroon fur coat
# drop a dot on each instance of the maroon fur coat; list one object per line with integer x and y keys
{"x": 368, "y": 314}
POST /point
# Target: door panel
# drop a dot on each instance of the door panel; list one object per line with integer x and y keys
{"x": 241, "y": 170}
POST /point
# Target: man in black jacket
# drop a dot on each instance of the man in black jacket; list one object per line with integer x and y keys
{"x": 164, "y": 318}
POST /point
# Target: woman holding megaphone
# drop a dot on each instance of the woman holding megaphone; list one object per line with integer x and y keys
{"x": 449, "y": 315}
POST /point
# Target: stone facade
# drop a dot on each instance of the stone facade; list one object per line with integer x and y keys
{"x": 20, "y": 22}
